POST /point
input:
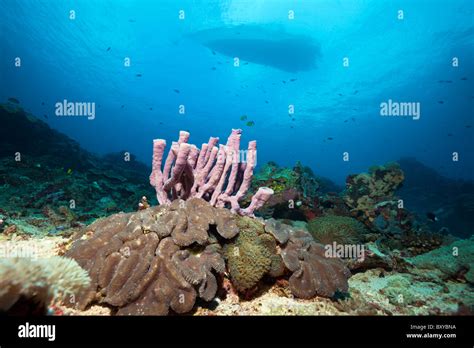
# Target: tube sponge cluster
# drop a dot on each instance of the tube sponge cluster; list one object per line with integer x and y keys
{"x": 216, "y": 174}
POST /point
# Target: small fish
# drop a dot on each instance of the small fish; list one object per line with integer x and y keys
{"x": 353, "y": 119}
{"x": 69, "y": 171}
{"x": 432, "y": 216}
{"x": 329, "y": 138}
{"x": 246, "y": 63}
{"x": 122, "y": 106}
{"x": 42, "y": 103}
{"x": 132, "y": 20}
{"x": 220, "y": 63}
{"x": 468, "y": 126}
{"x": 243, "y": 117}
{"x": 108, "y": 49}
{"x": 440, "y": 102}
{"x": 151, "y": 109}
{"x": 464, "y": 78}
{"x": 161, "y": 122}
{"x": 450, "y": 134}
{"x": 292, "y": 80}
{"x": 45, "y": 116}
{"x": 340, "y": 94}
{"x": 356, "y": 91}
{"x": 213, "y": 68}
{"x": 345, "y": 121}
{"x": 250, "y": 123}
{"x": 14, "y": 100}
{"x": 214, "y": 53}
{"x": 138, "y": 75}
{"x": 176, "y": 90}
{"x": 293, "y": 119}
{"x": 266, "y": 101}
{"x": 283, "y": 81}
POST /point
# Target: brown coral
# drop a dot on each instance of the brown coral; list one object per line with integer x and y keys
{"x": 281, "y": 232}
{"x": 155, "y": 259}
{"x": 313, "y": 272}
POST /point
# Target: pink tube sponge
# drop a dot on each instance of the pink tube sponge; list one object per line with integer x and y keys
{"x": 221, "y": 175}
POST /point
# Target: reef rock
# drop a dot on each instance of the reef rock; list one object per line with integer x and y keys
{"x": 454, "y": 261}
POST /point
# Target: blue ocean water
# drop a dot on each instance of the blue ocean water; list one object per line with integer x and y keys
{"x": 332, "y": 62}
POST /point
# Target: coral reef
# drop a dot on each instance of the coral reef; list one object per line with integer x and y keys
{"x": 167, "y": 256}
{"x": 212, "y": 173}
{"x": 339, "y": 229}
{"x": 29, "y": 286}
{"x": 156, "y": 259}
{"x": 192, "y": 254}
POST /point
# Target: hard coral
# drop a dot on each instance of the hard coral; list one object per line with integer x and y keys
{"x": 314, "y": 274}
{"x": 28, "y": 284}
{"x": 252, "y": 255}
{"x": 364, "y": 191}
{"x": 155, "y": 259}
{"x": 339, "y": 229}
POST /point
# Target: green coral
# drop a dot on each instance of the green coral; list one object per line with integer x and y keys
{"x": 339, "y": 229}
{"x": 251, "y": 255}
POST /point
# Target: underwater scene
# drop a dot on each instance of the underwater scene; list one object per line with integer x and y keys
{"x": 236, "y": 158}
